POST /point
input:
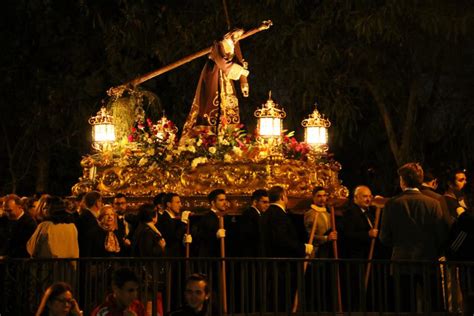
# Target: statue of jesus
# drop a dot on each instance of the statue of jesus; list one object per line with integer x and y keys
{"x": 215, "y": 100}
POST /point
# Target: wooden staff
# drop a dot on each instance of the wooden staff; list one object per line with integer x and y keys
{"x": 336, "y": 256}
{"x": 188, "y": 230}
{"x": 187, "y": 247}
{"x": 305, "y": 264}
{"x": 135, "y": 82}
{"x": 372, "y": 247}
{"x": 223, "y": 274}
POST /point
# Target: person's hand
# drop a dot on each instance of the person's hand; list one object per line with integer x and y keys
{"x": 185, "y": 216}
{"x": 308, "y": 249}
{"x": 220, "y": 233}
{"x": 127, "y": 242}
{"x": 75, "y": 310}
{"x": 373, "y": 233}
{"x": 162, "y": 243}
{"x": 460, "y": 210}
{"x": 332, "y": 236}
{"x": 187, "y": 239}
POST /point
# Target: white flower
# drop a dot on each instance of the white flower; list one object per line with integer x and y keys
{"x": 191, "y": 148}
{"x": 224, "y": 142}
{"x": 237, "y": 151}
{"x": 199, "y": 142}
{"x": 212, "y": 150}
{"x": 169, "y": 158}
{"x": 227, "y": 158}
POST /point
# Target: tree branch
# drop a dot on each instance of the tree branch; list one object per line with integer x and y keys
{"x": 391, "y": 134}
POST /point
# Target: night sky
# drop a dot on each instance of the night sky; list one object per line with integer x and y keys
{"x": 394, "y": 77}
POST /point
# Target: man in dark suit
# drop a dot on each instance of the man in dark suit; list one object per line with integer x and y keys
{"x": 172, "y": 225}
{"x": 249, "y": 244}
{"x": 280, "y": 240}
{"x": 126, "y": 223}
{"x": 248, "y": 230}
{"x": 359, "y": 220}
{"x": 412, "y": 224}
{"x": 428, "y": 188}
{"x": 209, "y": 234}
{"x": 90, "y": 235}
{"x": 359, "y": 230}
{"x": 20, "y": 227}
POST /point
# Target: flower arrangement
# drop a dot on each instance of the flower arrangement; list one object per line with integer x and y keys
{"x": 153, "y": 144}
{"x": 292, "y": 149}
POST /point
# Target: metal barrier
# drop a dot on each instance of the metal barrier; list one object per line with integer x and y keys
{"x": 254, "y": 286}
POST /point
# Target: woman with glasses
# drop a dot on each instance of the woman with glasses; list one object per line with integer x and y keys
{"x": 57, "y": 300}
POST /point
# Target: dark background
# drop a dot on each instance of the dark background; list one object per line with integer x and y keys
{"x": 394, "y": 77}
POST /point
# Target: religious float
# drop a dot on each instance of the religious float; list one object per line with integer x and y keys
{"x": 140, "y": 158}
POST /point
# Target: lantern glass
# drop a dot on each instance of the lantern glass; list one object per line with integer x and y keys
{"x": 103, "y": 133}
{"x": 270, "y": 127}
{"x": 316, "y": 135}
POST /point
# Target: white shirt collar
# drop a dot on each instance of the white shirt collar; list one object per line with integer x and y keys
{"x": 256, "y": 210}
{"x": 170, "y": 213}
{"x": 276, "y": 204}
{"x": 411, "y": 189}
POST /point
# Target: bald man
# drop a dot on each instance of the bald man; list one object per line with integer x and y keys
{"x": 359, "y": 223}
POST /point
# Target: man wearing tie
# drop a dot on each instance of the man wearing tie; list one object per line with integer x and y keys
{"x": 359, "y": 224}
{"x": 249, "y": 230}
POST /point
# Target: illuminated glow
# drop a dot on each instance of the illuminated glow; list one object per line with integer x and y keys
{"x": 270, "y": 127}
{"x": 316, "y": 135}
{"x": 103, "y": 130}
{"x": 104, "y": 133}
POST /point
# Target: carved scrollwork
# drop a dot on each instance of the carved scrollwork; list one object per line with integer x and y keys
{"x": 239, "y": 178}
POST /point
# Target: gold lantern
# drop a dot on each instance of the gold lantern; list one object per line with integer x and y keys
{"x": 270, "y": 119}
{"x": 316, "y": 131}
{"x": 103, "y": 130}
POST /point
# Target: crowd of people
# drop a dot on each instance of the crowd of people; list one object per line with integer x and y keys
{"x": 418, "y": 224}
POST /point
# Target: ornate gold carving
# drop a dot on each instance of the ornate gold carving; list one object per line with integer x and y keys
{"x": 238, "y": 178}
